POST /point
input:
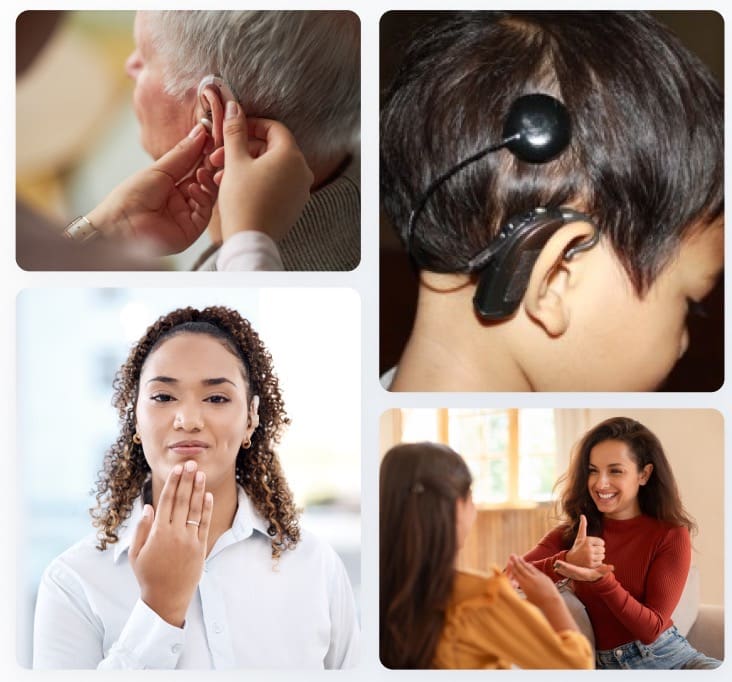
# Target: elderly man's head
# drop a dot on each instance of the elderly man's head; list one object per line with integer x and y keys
{"x": 299, "y": 67}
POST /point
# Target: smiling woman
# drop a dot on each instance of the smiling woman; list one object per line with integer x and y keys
{"x": 626, "y": 547}
{"x": 190, "y": 499}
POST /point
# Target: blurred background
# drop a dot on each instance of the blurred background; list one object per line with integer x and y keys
{"x": 517, "y": 455}
{"x": 66, "y": 420}
{"x": 76, "y": 132}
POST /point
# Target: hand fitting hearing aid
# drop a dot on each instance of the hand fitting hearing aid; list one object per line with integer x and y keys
{"x": 537, "y": 129}
{"x": 219, "y": 84}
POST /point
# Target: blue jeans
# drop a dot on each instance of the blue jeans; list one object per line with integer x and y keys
{"x": 671, "y": 651}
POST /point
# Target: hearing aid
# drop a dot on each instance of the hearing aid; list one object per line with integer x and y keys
{"x": 505, "y": 267}
{"x": 225, "y": 92}
{"x": 537, "y": 129}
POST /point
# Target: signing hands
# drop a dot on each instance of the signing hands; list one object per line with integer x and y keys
{"x": 587, "y": 550}
{"x": 265, "y": 182}
{"x": 541, "y": 591}
{"x": 169, "y": 204}
{"x": 169, "y": 548}
{"x": 585, "y": 561}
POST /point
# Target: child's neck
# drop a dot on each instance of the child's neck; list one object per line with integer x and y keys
{"x": 450, "y": 349}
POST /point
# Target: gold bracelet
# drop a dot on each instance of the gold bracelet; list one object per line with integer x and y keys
{"x": 80, "y": 230}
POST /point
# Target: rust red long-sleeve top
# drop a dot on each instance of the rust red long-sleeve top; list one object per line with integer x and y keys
{"x": 635, "y": 602}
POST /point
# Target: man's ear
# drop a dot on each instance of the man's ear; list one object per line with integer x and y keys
{"x": 213, "y": 111}
{"x": 547, "y": 299}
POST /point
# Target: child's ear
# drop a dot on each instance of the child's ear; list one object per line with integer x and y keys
{"x": 547, "y": 300}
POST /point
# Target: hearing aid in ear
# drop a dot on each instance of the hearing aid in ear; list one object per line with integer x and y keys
{"x": 224, "y": 91}
{"x": 505, "y": 266}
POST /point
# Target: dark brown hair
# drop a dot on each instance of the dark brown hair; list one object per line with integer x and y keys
{"x": 419, "y": 485}
{"x": 646, "y": 157}
{"x": 658, "y": 498}
{"x": 125, "y": 470}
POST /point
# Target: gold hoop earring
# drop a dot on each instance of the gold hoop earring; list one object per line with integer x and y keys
{"x": 136, "y": 439}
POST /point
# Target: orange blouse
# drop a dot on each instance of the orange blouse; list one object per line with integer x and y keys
{"x": 488, "y": 625}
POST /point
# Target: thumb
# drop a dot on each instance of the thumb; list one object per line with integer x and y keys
{"x": 582, "y": 528}
{"x": 236, "y": 137}
{"x": 142, "y": 532}
{"x": 180, "y": 159}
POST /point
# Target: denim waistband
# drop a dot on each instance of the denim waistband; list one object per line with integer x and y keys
{"x": 636, "y": 647}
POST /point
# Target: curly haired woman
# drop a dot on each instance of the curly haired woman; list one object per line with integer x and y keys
{"x": 198, "y": 560}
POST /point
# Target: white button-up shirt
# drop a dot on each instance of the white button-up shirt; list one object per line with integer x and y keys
{"x": 247, "y": 611}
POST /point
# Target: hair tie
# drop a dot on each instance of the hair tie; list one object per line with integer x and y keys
{"x": 417, "y": 488}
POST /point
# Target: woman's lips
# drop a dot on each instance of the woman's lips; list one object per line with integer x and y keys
{"x": 188, "y": 447}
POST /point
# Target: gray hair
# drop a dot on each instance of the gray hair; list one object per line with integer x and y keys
{"x": 298, "y": 67}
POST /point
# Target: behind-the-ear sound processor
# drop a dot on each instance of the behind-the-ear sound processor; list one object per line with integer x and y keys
{"x": 537, "y": 129}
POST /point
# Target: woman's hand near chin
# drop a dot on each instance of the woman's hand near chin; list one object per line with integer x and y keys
{"x": 167, "y": 553}
{"x": 166, "y": 206}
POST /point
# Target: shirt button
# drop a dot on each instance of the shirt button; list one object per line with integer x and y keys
{"x": 218, "y": 629}
{"x": 175, "y": 648}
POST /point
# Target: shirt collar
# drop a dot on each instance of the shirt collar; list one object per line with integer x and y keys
{"x": 246, "y": 521}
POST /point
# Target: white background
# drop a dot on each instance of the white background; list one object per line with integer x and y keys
{"x": 364, "y": 280}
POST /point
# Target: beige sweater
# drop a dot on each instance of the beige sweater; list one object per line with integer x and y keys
{"x": 327, "y": 236}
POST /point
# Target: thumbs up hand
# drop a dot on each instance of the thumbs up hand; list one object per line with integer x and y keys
{"x": 587, "y": 551}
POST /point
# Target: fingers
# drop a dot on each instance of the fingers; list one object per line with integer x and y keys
{"x": 236, "y": 136}
{"x": 564, "y": 569}
{"x": 521, "y": 569}
{"x": 581, "y": 529}
{"x": 182, "y": 503}
{"x": 273, "y": 132}
{"x": 181, "y": 158}
{"x": 142, "y": 531}
{"x": 205, "y": 180}
{"x": 196, "y": 507}
{"x": 167, "y": 495}
{"x": 206, "y": 514}
{"x": 257, "y": 147}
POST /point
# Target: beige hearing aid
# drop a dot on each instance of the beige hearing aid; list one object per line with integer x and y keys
{"x": 213, "y": 81}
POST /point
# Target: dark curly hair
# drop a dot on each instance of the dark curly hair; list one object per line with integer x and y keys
{"x": 125, "y": 470}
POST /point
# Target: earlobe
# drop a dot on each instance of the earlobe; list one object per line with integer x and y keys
{"x": 555, "y": 273}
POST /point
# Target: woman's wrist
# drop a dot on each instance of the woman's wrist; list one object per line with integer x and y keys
{"x": 174, "y": 614}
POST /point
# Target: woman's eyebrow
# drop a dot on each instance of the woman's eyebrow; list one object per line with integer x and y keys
{"x": 217, "y": 381}
{"x": 162, "y": 379}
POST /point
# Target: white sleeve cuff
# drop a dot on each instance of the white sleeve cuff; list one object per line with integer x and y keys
{"x": 146, "y": 641}
{"x": 249, "y": 250}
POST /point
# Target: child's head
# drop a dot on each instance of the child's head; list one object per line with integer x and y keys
{"x": 645, "y": 159}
